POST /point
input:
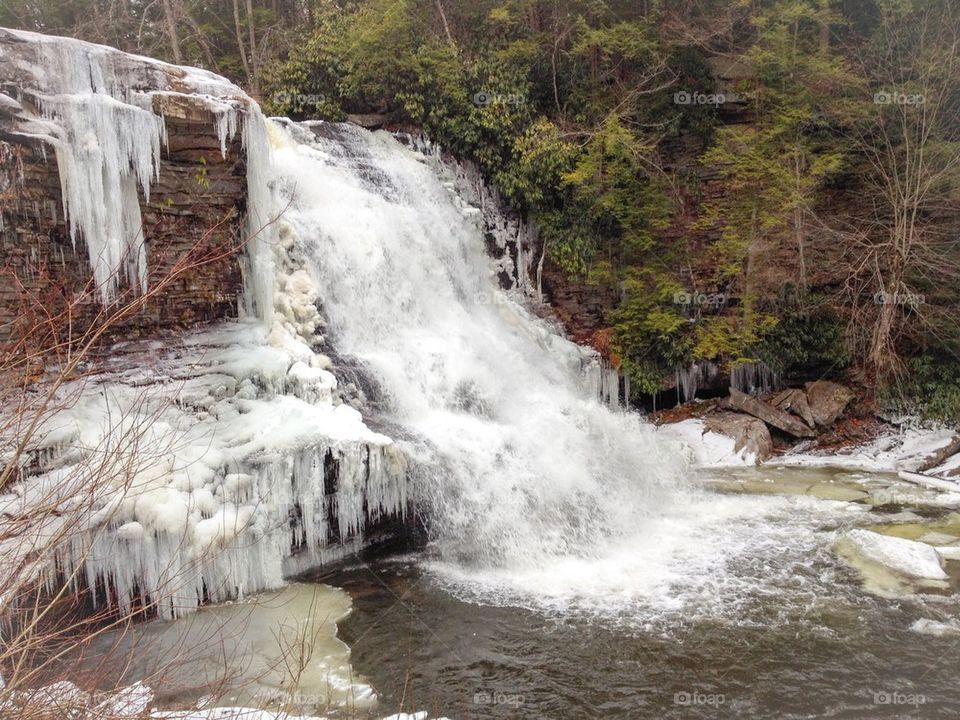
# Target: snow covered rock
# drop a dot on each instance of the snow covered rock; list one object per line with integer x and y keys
{"x": 750, "y": 434}
{"x": 892, "y": 566}
{"x": 908, "y": 558}
{"x": 709, "y": 448}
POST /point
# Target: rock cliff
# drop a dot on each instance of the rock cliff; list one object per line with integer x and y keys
{"x": 192, "y": 207}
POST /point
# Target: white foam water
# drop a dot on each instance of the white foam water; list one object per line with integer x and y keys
{"x": 519, "y": 464}
{"x": 718, "y": 558}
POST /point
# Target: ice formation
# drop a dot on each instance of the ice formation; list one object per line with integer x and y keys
{"x": 889, "y": 565}
{"x": 225, "y": 456}
{"x": 754, "y": 378}
{"x": 215, "y": 465}
{"x": 695, "y": 376}
{"x": 222, "y": 463}
{"x": 513, "y": 239}
{"x": 98, "y": 109}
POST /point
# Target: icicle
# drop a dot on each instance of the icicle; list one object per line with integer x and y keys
{"x": 261, "y": 225}
{"x": 241, "y": 547}
{"x": 754, "y": 378}
{"x": 107, "y": 139}
{"x": 107, "y": 150}
{"x": 226, "y": 127}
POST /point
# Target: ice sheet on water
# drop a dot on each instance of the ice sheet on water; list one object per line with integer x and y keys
{"x": 909, "y": 558}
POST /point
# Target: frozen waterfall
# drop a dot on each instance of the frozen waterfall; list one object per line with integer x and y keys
{"x": 102, "y": 112}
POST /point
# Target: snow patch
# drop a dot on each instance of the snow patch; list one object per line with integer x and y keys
{"x": 905, "y": 450}
{"x": 708, "y": 449}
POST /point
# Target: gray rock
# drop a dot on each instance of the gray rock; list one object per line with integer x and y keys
{"x": 827, "y": 401}
{"x": 795, "y": 402}
{"x": 370, "y": 121}
{"x": 748, "y": 433}
{"x": 775, "y": 417}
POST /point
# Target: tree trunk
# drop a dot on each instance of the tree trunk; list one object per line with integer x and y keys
{"x": 883, "y": 351}
{"x": 240, "y": 46}
{"x": 798, "y": 235}
{"x": 254, "y": 64}
{"x": 171, "y": 21}
{"x": 446, "y": 25}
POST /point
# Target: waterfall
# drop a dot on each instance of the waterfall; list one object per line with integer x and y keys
{"x": 516, "y": 461}
{"x": 246, "y": 464}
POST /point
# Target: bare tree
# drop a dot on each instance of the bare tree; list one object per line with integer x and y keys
{"x": 911, "y": 146}
{"x": 44, "y": 368}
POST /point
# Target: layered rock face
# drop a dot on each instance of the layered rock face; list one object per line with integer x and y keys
{"x": 192, "y": 203}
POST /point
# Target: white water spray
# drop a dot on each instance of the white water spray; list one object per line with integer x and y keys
{"x": 520, "y": 464}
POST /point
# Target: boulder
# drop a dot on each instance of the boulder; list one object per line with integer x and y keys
{"x": 370, "y": 121}
{"x": 827, "y": 401}
{"x": 748, "y": 433}
{"x": 775, "y": 417}
{"x": 795, "y": 403}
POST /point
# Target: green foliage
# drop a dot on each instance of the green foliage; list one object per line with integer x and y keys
{"x": 306, "y": 84}
{"x": 202, "y": 176}
{"x": 622, "y": 202}
{"x": 569, "y": 108}
{"x": 651, "y": 334}
{"x": 808, "y": 339}
{"x": 542, "y": 159}
{"x": 932, "y": 389}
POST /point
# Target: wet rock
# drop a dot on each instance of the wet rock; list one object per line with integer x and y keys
{"x": 827, "y": 401}
{"x": 370, "y": 121}
{"x": 748, "y": 433}
{"x": 775, "y": 417}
